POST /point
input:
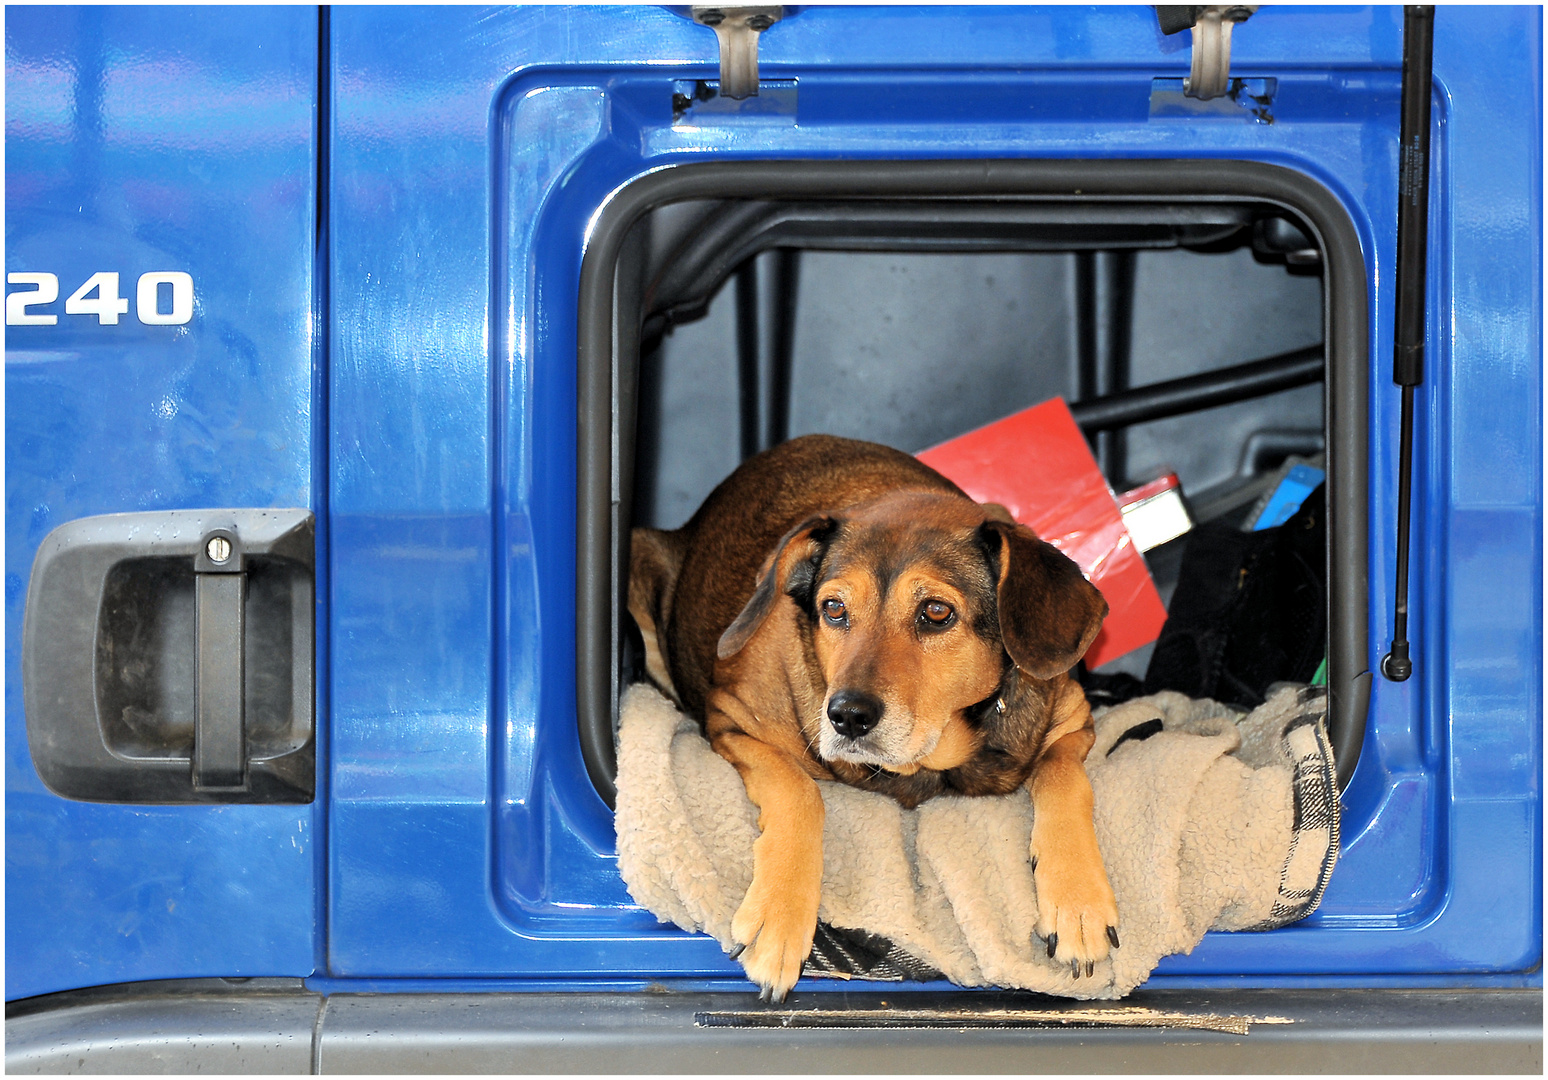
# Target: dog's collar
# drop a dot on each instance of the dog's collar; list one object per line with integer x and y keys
{"x": 993, "y": 704}
{"x": 997, "y": 702}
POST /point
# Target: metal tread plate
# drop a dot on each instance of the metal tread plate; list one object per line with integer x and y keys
{"x": 275, "y": 1026}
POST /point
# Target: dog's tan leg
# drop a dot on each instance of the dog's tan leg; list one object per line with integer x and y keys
{"x": 773, "y": 928}
{"x": 1077, "y": 914}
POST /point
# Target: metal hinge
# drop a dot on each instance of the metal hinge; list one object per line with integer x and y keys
{"x": 1210, "y": 74}
{"x": 738, "y": 29}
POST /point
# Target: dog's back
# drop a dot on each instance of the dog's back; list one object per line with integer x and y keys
{"x": 713, "y": 560}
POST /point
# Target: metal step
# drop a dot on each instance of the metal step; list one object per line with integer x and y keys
{"x": 278, "y": 1026}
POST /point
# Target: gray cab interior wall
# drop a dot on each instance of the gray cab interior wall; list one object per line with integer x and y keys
{"x": 912, "y": 349}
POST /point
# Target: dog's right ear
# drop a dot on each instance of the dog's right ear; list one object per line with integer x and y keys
{"x": 791, "y": 569}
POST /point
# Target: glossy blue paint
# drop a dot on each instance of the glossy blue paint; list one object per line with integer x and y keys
{"x": 471, "y": 149}
{"x": 153, "y": 139}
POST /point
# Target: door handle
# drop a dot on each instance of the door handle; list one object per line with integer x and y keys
{"x": 168, "y": 657}
{"x": 220, "y": 594}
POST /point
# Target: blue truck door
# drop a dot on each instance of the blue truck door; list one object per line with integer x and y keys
{"x": 160, "y": 231}
{"x": 472, "y": 156}
{"x": 188, "y": 331}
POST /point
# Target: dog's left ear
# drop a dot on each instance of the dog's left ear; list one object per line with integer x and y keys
{"x": 1049, "y": 613}
{"x": 792, "y": 569}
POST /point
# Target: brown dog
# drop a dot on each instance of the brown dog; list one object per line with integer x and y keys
{"x": 839, "y": 610}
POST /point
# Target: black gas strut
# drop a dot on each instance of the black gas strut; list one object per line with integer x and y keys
{"x": 1408, "y": 336}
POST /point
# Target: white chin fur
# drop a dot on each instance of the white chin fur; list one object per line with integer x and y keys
{"x": 886, "y": 748}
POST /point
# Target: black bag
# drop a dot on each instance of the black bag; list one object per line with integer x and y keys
{"x": 1250, "y": 610}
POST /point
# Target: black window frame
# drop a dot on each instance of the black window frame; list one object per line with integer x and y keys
{"x": 608, "y": 357}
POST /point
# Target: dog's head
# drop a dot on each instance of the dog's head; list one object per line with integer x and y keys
{"x": 915, "y": 603}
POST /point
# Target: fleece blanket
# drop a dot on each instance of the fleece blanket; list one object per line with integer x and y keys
{"x": 1208, "y": 819}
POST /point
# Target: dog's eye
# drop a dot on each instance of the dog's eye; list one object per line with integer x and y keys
{"x": 833, "y": 610}
{"x": 936, "y": 613}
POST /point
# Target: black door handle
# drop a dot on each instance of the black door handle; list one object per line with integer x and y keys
{"x": 220, "y": 602}
{"x": 168, "y": 658}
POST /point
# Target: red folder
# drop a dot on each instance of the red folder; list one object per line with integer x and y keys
{"x": 1037, "y": 465}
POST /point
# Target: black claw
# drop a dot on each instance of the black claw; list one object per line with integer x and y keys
{"x": 1034, "y": 864}
{"x": 1053, "y": 945}
{"x": 1075, "y": 968}
{"x": 1090, "y": 968}
{"x": 1112, "y": 935}
{"x": 738, "y": 950}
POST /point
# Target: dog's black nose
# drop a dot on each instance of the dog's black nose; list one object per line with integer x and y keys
{"x": 853, "y": 713}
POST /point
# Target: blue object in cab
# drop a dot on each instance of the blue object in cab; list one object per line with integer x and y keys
{"x": 384, "y": 213}
{"x": 1288, "y": 495}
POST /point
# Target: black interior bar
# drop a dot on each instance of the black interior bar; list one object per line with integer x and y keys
{"x": 1104, "y": 303}
{"x": 1205, "y": 390}
{"x": 765, "y": 347}
{"x": 737, "y": 230}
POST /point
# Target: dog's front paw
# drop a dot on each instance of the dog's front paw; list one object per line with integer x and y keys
{"x": 773, "y": 931}
{"x": 1077, "y": 914}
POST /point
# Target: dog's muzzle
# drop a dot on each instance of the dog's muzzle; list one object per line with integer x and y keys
{"x": 853, "y": 713}
{"x": 865, "y": 730}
